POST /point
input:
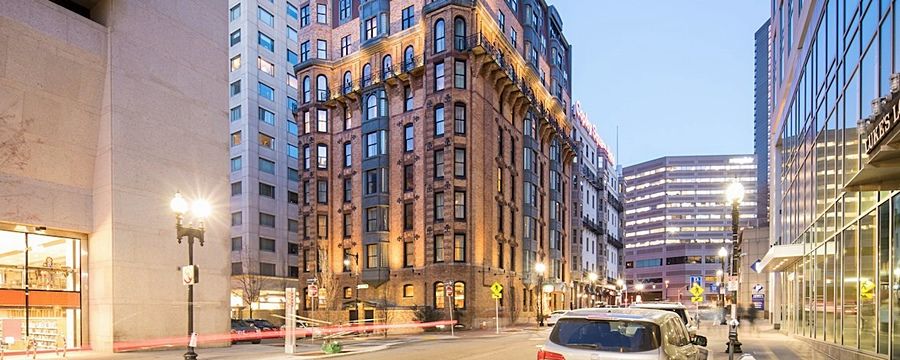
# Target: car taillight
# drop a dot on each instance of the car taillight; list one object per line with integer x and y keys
{"x": 549, "y": 355}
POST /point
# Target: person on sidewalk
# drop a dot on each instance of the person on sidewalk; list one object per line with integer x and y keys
{"x": 751, "y": 317}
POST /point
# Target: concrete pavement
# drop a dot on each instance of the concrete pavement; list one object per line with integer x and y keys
{"x": 763, "y": 342}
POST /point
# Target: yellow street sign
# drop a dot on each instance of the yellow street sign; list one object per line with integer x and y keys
{"x": 697, "y": 299}
{"x": 867, "y": 290}
{"x": 696, "y": 290}
{"x": 496, "y": 290}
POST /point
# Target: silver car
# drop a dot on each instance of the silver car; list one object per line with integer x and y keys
{"x": 621, "y": 334}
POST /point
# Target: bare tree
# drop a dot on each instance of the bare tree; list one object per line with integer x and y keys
{"x": 328, "y": 284}
{"x": 249, "y": 285}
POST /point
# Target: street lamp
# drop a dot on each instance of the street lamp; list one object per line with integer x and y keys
{"x": 621, "y": 283}
{"x": 539, "y": 269}
{"x": 200, "y": 210}
{"x": 667, "y": 290}
{"x": 734, "y": 194}
{"x": 591, "y": 278}
{"x": 640, "y": 289}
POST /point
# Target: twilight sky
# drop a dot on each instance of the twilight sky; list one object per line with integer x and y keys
{"x": 676, "y": 77}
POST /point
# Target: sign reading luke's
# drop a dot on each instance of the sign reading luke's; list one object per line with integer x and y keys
{"x": 884, "y": 124}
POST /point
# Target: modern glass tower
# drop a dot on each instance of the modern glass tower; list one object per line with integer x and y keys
{"x": 836, "y": 209}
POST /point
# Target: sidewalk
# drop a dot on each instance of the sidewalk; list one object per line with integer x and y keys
{"x": 764, "y": 344}
{"x": 306, "y": 349}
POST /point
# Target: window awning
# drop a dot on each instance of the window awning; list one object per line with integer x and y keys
{"x": 779, "y": 256}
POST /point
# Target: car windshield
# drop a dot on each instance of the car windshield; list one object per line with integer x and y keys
{"x": 606, "y": 335}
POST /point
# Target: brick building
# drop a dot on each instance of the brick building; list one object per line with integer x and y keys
{"x": 434, "y": 151}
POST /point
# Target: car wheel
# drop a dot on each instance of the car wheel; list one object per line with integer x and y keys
{"x": 256, "y": 341}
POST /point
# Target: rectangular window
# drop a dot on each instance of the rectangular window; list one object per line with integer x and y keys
{"x": 459, "y": 163}
{"x": 347, "y": 225}
{"x": 266, "y": 116}
{"x": 267, "y": 166}
{"x": 459, "y": 119}
{"x": 235, "y": 12}
{"x": 439, "y": 120}
{"x": 292, "y": 11}
{"x": 304, "y": 16}
{"x": 439, "y": 164}
{"x": 304, "y": 52}
{"x": 348, "y": 189}
{"x": 266, "y": 42}
{"x": 407, "y": 99}
{"x": 293, "y": 198}
{"x": 265, "y": 17}
{"x": 236, "y": 113}
{"x": 236, "y": 37}
{"x": 372, "y": 256}
{"x": 345, "y": 46}
{"x": 237, "y": 188}
{"x": 439, "y": 248}
{"x": 408, "y": 216}
{"x": 266, "y": 91}
{"x": 236, "y": 218}
{"x": 292, "y": 34}
{"x": 321, "y": 49}
{"x": 306, "y": 157}
{"x": 266, "y": 244}
{"x": 322, "y": 226}
{"x": 513, "y": 37}
{"x": 377, "y": 218}
{"x": 235, "y": 138}
{"x": 321, "y": 120}
{"x": 322, "y": 192}
{"x": 438, "y": 76}
{"x": 237, "y": 243}
{"x": 236, "y": 268}
{"x": 291, "y": 103}
{"x": 266, "y": 269}
{"x": 371, "y": 27}
{"x": 266, "y": 141}
{"x": 266, "y": 190}
{"x": 292, "y": 58}
{"x": 408, "y": 177}
{"x": 439, "y": 206}
{"x": 293, "y": 248}
{"x": 292, "y": 128}
{"x": 459, "y": 248}
{"x": 501, "y": 20}
{"x": 345, "y": 9}
{"x": 236, "y": 62}
{"x": 235, "y": 88}
{"x": 348, "y": 154}
{"x": 409, "y": 18}
{"x": 236, "y": 163}
{"x": 292, "y": 151}
{"x": 321, "y": 14}
{"x": 265, "y": 66}
{"x": 267, "y": 220}
{"x": 376, "y": 144}
{"x": 459, "y": 74}
{"x": 408, "y": 254}
{"x": 459, "y": 205}
{"x": 409, "y": 140}
{"x": 293, "y": 174}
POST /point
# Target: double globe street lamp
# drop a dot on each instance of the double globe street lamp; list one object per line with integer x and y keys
{"x": 539, "y": 269}
{"x": 735, "y": 195}
{"x": 200, "y": 210}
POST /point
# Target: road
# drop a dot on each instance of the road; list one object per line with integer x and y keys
{"x": 513, "y": 345}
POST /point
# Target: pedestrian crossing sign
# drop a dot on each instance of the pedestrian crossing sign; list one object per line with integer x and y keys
{"x": 697, "y": 299}
{"x": 696, "y": 290}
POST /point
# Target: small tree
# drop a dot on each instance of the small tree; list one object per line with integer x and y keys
{"x": 248, "y": 285}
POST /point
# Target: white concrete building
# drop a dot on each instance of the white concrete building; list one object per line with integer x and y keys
{"x": 107, "y": 108}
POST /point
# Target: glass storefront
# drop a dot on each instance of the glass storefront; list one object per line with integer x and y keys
{"x": 40, "y": 290}
{"x": 846, "y": 289}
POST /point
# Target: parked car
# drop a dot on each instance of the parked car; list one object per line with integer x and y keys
{"x": 675, "y": 307}
{"x": 263, "y": 324}
{"x": 632, "y": 334}
{"x": 554, "y": 316}
{"x": 245, "y": 331}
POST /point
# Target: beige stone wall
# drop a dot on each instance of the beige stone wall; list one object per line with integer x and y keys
{"x": 99, "y": 126}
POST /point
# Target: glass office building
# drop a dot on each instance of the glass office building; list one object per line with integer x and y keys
{"x": 835, "y": 255}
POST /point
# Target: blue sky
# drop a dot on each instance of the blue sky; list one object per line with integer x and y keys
{"x": 676, "y": 77}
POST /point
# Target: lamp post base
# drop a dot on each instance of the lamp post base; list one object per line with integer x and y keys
{"x": 190, "y": 354}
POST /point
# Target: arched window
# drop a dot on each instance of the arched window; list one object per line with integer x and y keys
{"x": 307, "y": 94}
{"x": 348, "y": 82}
{"x": 439, "y": 297}
{"x": 371, "y": 107}
{"x": 387, "y": 67}
{"x": 322, "y": 156}
{"x": 367, "y": 75}
{"x": 439, "y": 34}
{"x": 459, "y": 295}
{"x": 409, "y": 61}
{"x": 321, "y": 88}
{"x": 459, "y": 33}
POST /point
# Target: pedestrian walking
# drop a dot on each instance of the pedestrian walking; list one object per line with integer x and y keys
{"x": 752, "y": 312}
